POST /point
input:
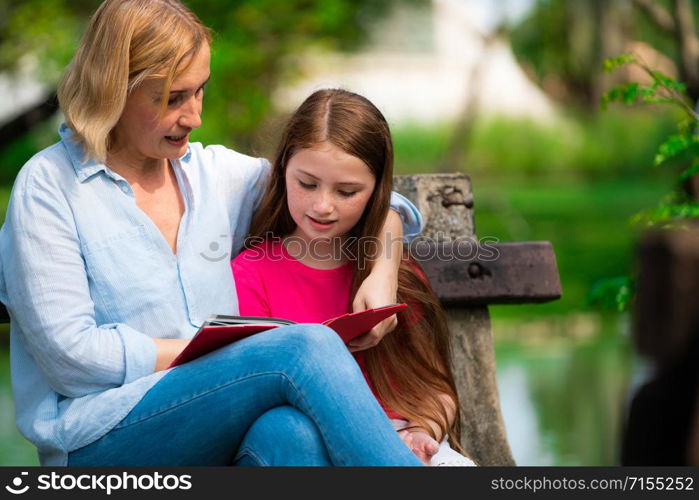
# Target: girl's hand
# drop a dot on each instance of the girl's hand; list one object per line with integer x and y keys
{"x": 420, "y": 443}
{"x": 375, "y": 291}
{"x": 381, "y": 286}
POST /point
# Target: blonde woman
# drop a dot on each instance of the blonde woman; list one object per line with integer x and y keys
{"x": 116, "y": 248}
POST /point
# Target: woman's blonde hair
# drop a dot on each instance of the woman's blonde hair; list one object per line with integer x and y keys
{"x": 126, "y": 43}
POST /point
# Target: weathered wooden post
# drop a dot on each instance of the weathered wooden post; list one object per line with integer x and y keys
{"x": 662, "y": 426}
{"x": 666, "y": 316}
{"x": 467, "y": 276}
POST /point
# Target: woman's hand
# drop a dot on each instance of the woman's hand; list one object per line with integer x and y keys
{"x": 167, "y": 351}
{"x": 420, "y": 442}
{"x": 380, "y": 287}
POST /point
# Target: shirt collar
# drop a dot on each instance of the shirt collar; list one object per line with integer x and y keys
{"x": 86, "y": 168}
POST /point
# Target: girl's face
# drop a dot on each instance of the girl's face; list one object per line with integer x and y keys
{"x": 143, "y": 133}
{"x": 327, "y": 191}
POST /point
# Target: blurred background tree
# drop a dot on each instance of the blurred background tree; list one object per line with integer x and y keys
{"x": 256, "y": 43}
{"x": 563, "y": 43}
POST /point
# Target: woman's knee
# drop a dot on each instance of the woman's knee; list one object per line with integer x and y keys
{"x": 322, "y": 349}
{"x": 286, "y": 423}
{"x": 291, "y": 341}
{"x": 309, "y": 349}
{"x": 313, "y": 337}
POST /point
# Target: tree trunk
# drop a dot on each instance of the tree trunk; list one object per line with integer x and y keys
{"x": 679, "y": 24}
{"x": 612, "y": 28}
{"x": 452, "y": 160}
{"x": 688, "y": 44}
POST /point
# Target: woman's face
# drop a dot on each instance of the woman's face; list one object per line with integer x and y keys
{"x": 143, "y": 133}
{"x": 327, "y": 191}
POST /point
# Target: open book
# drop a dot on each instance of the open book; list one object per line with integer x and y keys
{"x": 219, "y": 331}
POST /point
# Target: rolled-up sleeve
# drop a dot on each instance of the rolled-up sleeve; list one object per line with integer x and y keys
{"x": 47, "y": 294}
{"x": 409, "y": 214}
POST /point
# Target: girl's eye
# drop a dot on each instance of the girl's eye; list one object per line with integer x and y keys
{"x": 306, "y": 186}
{"x": 347, "y": 194}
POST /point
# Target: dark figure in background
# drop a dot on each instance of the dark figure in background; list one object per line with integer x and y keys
{"x": 663, "y": 423}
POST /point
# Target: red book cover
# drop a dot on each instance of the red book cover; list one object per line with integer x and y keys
{"x": 219, "y": 331}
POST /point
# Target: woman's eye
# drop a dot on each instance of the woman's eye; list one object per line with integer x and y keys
{"x": 174, "y": 100}
{"x": 306, "y": 186}
{"x": 347, "y": 194}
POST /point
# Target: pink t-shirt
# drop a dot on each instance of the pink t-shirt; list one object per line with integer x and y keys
{"x": 272, "y": 283}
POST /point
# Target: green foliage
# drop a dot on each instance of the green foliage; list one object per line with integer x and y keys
{"x": 679, "y": 148}
{"x": 613, "y": 63}
{"x": 257, "y": 44}
{"x": 663, "y": 89}
{"x": 578, "y": 145}
{"x": 679, "y": 151}
{"x": 586, "y": 221}
{"x": 672, "y": 211}
{"x": 563, "y": 42}
{"x": 541, "y": 42}
{"x": 40, "y": 32}
{"x": 15, "y": 154}
{"x": 612, "y": 293}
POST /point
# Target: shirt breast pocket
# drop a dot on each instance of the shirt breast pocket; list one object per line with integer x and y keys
{"x": 127, "y": 274}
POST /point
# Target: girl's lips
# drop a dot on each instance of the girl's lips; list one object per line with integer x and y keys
{"x": 320, "y": 224}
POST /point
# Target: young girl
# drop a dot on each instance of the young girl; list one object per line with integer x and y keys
{"x": 315, "y": 232}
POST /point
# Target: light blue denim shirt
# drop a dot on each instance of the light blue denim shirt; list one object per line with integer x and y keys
{"x": 88, "y": 280}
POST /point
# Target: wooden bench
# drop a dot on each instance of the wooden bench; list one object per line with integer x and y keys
{"x": 468, "y": 276}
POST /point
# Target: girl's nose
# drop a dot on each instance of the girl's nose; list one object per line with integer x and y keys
{"x": 322, "y": 204}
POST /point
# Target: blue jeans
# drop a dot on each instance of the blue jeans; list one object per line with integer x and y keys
{"x": 289, "y": 396}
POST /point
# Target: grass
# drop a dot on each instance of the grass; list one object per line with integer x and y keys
{"x": 619, "y": 142}
{"x": 18, "y": 152}
{"x": 4, "y": 200}
{"x": 14, "y": 449}
{"x": 587, "y": 223}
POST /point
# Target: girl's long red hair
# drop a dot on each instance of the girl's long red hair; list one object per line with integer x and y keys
{"x": 410, "y": 368}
